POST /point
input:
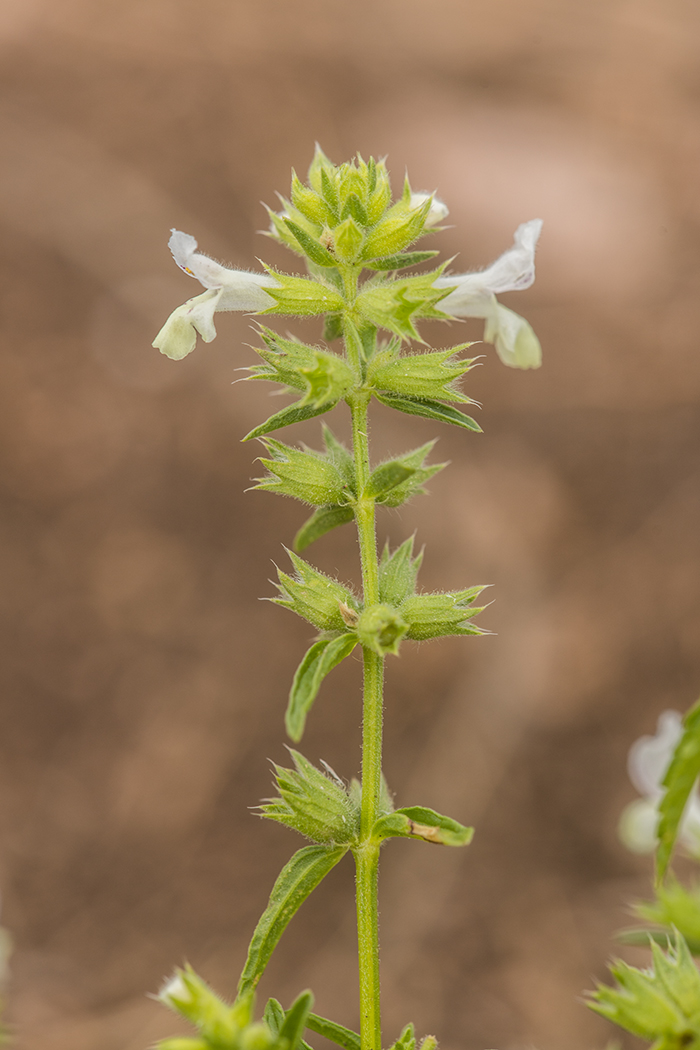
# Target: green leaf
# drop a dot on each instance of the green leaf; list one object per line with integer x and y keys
{"x": 329, "y": 188}
{"x": 295, "y": 413}
{"x": 273, "y": 1015}
{"x": 429, "y": 410}
{"x": 222, "y": 1025}
{"x": 395, "y": 304}
{"x": 181, "y": 1042}
{"x": 295, "y": 1020}
{"x": 386, "y": 477}
{"x": 679, "y": 780}
{"x": 310, "y": 246}
{"x": 319, "y": 661}
{"x": 302, "y": 297}
{"x": 321, "y": 521}
{"x": 313, "y": 803}
{"x": 336, "y": 1033}
{"x": 420, "y": 823}
{"x": 296, "y": 881}
{"x": 400, "y": 261}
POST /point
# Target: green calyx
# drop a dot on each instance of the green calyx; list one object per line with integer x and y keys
{"x": 444, "y": 613}
{"x": 661, "y": 1004}
{"x": 305, "y": 475}
{"x": 323, "y": 479}
{"x": 315, "y": 804}
{"x": 324, "y": 602}
{"x": 380, "y": 627}
{"x": 426, "y": 375}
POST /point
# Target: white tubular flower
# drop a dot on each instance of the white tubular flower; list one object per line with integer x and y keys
{"x": 174, "y": 992}
{"x": 438, "y": 209}
{"x": 226, "y": 290}
{"x": 474, "y": 295}
{"x": 647, "y": 763}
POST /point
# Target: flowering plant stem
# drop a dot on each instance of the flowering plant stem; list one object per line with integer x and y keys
{"x": 367, "y": 851}
{"x": 344, "y": 223}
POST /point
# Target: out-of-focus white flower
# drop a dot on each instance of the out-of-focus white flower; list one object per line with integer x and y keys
{"x": 174, "y": 992}
{"x": 438, "y": 209}
{"x": 647, "y": 763}
{"x": 474, "y": 295}
{"x": 226, "y": 290}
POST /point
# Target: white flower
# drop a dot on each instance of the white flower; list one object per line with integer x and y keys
{"x": 647, "y": 763}
{"x": 226, "y": 290}
{"x": 438, "y": 209}
{"x": 174, "y": 992}
{"x": 474, "y": 295}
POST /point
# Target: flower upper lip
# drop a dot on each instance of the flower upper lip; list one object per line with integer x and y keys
{"x": 474, "y": 295}
{"x": 241, "y": 289}
{"x": 511, "y": 272}
{"x": 226, "y": 289}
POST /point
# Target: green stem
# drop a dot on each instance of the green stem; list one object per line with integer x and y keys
{"x": 367, "y": 853}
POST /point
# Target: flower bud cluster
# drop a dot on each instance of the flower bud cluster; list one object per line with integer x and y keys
{"x": 379, "y": 626}
{"x": 343, "y": 215}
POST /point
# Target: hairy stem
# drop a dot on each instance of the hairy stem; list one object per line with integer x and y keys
{"x": 367, "y": 853}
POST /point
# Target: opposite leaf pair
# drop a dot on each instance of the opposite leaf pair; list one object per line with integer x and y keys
{"x": 320, "y": 807}
{"x": 400, "y": 615}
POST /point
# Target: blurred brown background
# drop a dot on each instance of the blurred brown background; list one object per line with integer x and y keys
{"x": 144, "y": 683}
